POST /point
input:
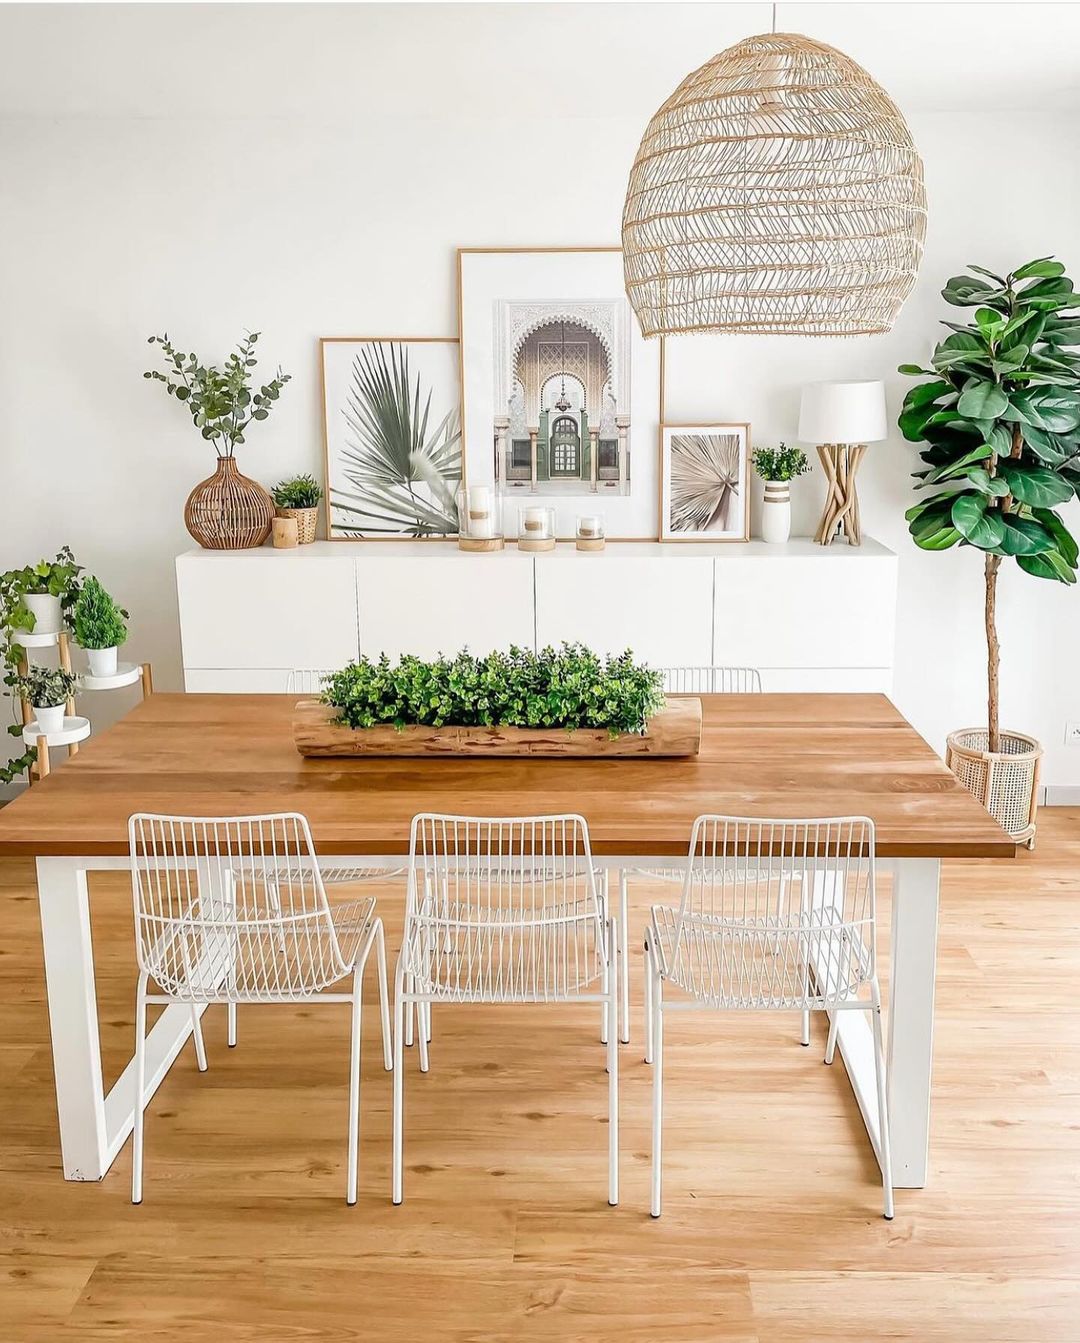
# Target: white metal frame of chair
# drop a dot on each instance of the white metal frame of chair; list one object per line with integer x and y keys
{"x": 677, "y": 681}
{"x": 308, "y": 681}
{"x": 216, "y": 921}
{"x": 776, "y": 915}
{"x": 504, "y": 910}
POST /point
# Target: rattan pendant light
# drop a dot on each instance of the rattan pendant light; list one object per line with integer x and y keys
{"x": 778, "y": 190}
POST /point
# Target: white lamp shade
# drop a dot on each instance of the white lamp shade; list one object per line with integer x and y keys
{"x": 843, "y": 412}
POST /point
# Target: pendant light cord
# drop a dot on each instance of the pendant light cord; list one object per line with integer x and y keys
{"x": 774, "y": 19}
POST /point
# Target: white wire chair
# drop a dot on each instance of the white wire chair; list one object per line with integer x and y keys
{"x": 776, "y": 915}
{"x": 309, "y": 681}
{"x": 210, "y": 929}
{"x": 677, "y": 681}
{"x": 504, "y": 910}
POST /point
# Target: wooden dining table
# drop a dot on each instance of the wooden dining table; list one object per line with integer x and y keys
{"x": 785, "y": 756}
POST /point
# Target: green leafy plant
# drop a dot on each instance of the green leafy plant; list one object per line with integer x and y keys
{"x": 57, "y": 578}
{"x": 782, "y": 463}
{"x": 1001, "y": 422}
{"x": 570, "y": 687}
{"x": 220, "y": 401}
{"x": 97, "y": 620}
{"x": 404, "y": 472}
{"x": 44, "y": 686}
{"x": 297, "y": 492}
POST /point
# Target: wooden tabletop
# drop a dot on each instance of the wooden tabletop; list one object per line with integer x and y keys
{"x": 762, "y": 755}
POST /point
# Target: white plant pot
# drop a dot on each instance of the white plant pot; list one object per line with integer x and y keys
{"x": 102, "y": 661}
{"x": 50, "y": 717}
{"x": 776, "y": 513}
{"x": 46, "y": 612}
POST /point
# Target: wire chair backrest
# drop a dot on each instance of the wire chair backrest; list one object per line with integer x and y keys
{"x": 306, "y": 680}
{"x": 231, "y": 908}
{"x": 765, "y": 900}
{"x": 712, "y": 680}
{"x": 503, "y": 909}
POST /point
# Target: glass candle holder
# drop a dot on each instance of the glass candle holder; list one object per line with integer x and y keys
{"x": 479, "y": 516}
{"x": 536, "y": 527}
{"x": 589, "y": 534}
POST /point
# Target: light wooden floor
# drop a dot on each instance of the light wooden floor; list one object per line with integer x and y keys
{"x": 771, "y": 1233}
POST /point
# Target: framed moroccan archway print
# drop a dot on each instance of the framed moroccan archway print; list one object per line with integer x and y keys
{"x": 560, "y": 393}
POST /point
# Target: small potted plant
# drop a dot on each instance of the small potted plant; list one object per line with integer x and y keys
{"x": 778, "y": 467}
{"x": 99, "y": 627}
{"x": 227, "y": 511}
{"x": 35, "y": 597}
{"x": 48, "y": 689}
{"x": 298, "y": 497}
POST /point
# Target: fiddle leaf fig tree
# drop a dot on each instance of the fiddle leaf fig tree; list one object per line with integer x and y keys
{"x": 1000, "y": 422}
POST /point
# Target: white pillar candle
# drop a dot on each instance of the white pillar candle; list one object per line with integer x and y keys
{"x": 481, "y": 520}
{"x": 536, "y": 521}
{"x": 589, "y": 525}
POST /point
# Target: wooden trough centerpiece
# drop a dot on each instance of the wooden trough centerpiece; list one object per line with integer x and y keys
{"x": 674, "y": 731}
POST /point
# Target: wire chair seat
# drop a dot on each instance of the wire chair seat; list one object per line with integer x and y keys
{"x": 331, "y": 876}
{"x": 761, "y": 962}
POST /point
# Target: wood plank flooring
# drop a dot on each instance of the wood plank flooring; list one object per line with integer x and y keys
{"x": 771, "y": 1231}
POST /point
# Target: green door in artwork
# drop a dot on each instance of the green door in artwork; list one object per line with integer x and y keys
{"x": 565, "y": 448}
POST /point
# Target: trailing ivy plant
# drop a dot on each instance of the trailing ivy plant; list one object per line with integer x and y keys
{"x": 297, "y": 492}
{"x": 570, "y": 687}
{"x": 1000, "y": 418}
{"x": 57, "y": 578}
{"x": 782, "y": 463}
{"x": 220, "y": 401}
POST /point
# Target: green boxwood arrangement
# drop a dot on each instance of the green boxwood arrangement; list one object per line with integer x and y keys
{"x": 97, "y": 620}
{"x": 569, "y": 687}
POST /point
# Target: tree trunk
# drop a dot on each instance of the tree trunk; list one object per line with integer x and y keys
{"x": 993, "y": 653}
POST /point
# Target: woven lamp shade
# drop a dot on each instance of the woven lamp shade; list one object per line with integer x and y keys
{"x": 777, "y": 191}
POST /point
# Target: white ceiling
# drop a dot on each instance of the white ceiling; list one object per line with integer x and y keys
{"x": 343, "y": 61}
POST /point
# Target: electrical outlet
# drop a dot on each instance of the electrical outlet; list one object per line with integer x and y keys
{"x": 1072, "y": 733}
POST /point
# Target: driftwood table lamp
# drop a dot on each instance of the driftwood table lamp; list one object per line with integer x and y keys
{"x": 842, "y": 418}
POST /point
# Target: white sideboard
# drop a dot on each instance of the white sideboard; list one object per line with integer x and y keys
{"x": 811, "y": 618}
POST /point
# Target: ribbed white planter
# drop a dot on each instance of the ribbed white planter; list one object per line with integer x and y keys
{"x": 1006, "y": 782}
{"x": 776, "y": 512}
{"x": 46, "y": 612}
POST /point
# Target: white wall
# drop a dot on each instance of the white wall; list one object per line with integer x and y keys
{"x": 154, "y": 177}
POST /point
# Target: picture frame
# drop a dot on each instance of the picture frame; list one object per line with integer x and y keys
{"x": 387, "y": 400}
{"x": 704, "y": 482}
{"x": 560, "y": 393}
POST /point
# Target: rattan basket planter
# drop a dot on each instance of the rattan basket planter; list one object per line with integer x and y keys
{"x": 227, "y": 511}
{"x": 307, "y": 520}
{"x": 1006, "y": 782}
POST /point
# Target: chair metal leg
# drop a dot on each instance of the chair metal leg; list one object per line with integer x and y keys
{"x": 884, "y": 1138}
{"x": 624, "y": 957}
{"x": 658, "y": 1089}
{"x": 232, "y": 1025}
{"x": 140, "y": 1089}
{"x": 354, "y": 1082}
{"x": 384, "y": 996}
{"x": 409, "y": 1015}
{"x": 399, "y": 1093}
{"x": 196, "y": 1033}
{"x": 613, "y": 1067}
{"x": 647, "y": 964}
{"x": 605, "y": 981}
{"x": 804, "y": 1038}
{"x": 423, "y": 1011}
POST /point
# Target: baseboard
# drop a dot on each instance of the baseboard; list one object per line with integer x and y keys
{"x": 1060, "y": 795}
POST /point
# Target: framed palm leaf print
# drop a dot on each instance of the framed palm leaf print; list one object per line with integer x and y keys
{"x": 703, "y": 482}
{"x": 392, "y": 433}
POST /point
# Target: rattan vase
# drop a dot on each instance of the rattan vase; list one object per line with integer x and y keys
{"x": 1006, "y": 782}
{"x": 227, "y": 511}
{"x": 307, "y": 520}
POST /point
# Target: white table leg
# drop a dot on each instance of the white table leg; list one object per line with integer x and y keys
{"x": 911, "y": 1022}
{"x": 93, "y": 1125}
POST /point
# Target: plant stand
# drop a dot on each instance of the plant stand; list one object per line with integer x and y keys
{"x": 1006, "y": 782}
{"x": 75, "y": 730}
